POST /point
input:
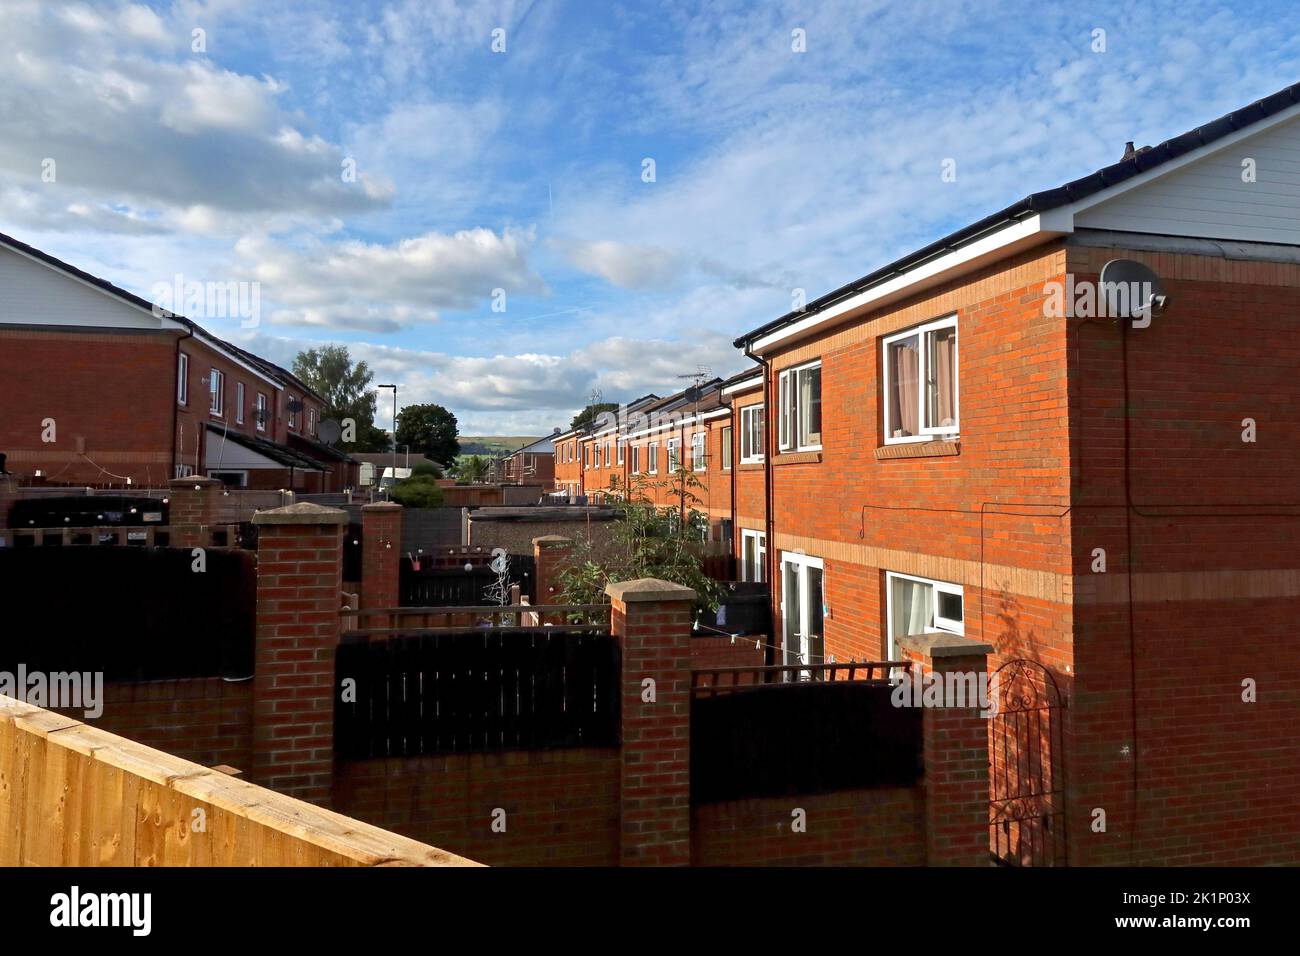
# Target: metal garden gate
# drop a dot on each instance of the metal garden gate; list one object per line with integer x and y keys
{"x": 1026, "y": 767}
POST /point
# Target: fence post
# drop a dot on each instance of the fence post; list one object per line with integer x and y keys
{"x": 551, "y": 554}
{"x": 651, "y": 621}
{"x": 299, "y": 576}
{"x": 381, "y": 555}
{"x": 955, "y": 745}
{"x": 191, "y": 509}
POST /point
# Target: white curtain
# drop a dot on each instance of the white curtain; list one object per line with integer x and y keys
{"x": 905, "y": 369}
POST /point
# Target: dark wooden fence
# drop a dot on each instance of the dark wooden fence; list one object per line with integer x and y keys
{"x": 475, "y": 690}
{"x": 784, "y": 739}
{"x": 132, "y": 613}
{"x": 454, "y": 587}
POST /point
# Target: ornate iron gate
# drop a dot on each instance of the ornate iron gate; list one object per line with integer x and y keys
{"x": 1026, "y": 768}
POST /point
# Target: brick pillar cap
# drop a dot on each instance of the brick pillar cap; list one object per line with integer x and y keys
{"x": 941, "y": 644}
{"x": 304, "y": 512}
{"x": 200, "y": 480}
{"x": 648, "y": 589}
{"x": 551, "y": 541}
{"x": 382, "y": 506}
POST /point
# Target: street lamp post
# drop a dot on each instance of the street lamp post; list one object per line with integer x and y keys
{"x": 389, "y": 490}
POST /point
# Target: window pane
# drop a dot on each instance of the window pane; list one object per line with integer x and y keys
{"x": 949, "y": 606}
{"x": 904, "y": 371}
{"x": 910, "y": 613}
{"x": 941, "y": 377}
{"x": 810, "y": 406}
{"x": 816, "y": 609}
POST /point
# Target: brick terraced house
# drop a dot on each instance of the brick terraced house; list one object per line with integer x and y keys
{"x": 96, "y": 387}
{"x": 959, "y": 442}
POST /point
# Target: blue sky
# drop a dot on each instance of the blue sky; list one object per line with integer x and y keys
{"x": 522, "y": 170}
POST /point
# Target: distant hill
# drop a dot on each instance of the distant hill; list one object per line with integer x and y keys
{"x": 493, "y": 444}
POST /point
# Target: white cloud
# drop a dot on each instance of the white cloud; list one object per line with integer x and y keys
{"x": 382, "y": 287}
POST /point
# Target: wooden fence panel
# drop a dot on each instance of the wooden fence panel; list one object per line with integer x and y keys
{"x": 474, "y": 691}
{"x": 75, "y": 795}
{"x": 773, "y": 740}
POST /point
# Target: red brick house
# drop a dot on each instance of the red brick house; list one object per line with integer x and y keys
{"x": 959, "y": 442}
{"x": 532, "y": 464}
{"x": 97, "y": 387}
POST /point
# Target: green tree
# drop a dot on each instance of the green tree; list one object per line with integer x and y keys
{"x": 329, "y": 372}
{"x": 649, "y": 542}
{"x": 588, "y": 415}
{"x": 430, "y": 430}
{"x": 472, "y": 468}
{"x": 418, "y": 491}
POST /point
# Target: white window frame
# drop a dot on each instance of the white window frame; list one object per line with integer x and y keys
{"x": 621, "y": 446}
{"x": 674, "y": 449}
{"x": 747, "y": 456}
{"x": 725, "y": 438}
{"x": 636, "y": 459}
{"x": 293, "y": 416}
{"x": 606, "y": 454}
{"x": 926, "y": 432}
{"x": 183, "y": 384}
{"x": 261, "y": 410}
{"x": 586, "y": 456}
{"x": 699, "y": 452}
{"x": 311, "y": 421}
{"x": 790, "y": 414}
{"x": 759, "y": 571}
{"x": 946, "y": 625}
{"x": 652, "y": 458}
{"x": 239, "y": 403}
{"x": 217, "y": 392}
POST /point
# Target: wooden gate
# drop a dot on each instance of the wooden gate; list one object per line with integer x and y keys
{"x": 1026, "y": 767}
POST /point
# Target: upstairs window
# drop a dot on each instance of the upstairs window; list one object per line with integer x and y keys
{"x": 216, "y": 391}
{"x": 606, "y": 454}
{"x": 800, "y": 401}
{"x": 261, "y": 413}
{"x": 726, "y": 447}
{"x": 697, "y": 452}
{"x": 652, "y": 457}
{"x": 311, "y": 421}
{"x": 920, "y": 379}
{"x": 183, "y": 380}
{"x": 621, "y": 445}
{"x": 293, "y": 405}
{"x": 636, "y": 459}
{"x": 239, "y": 403}
{"x": 673, "y": 445}
{"x": 751, "y": 434}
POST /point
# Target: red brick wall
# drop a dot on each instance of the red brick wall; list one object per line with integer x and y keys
{"x": 568, "y": 472}
{"x": 562, "y": 806}
{"x": 1215, "y": 603}
{"x": 208, "y": 720}
{"x": 707, "y": 652}
{"x": 114, "y": 390}
{"x": 884, "y": 827}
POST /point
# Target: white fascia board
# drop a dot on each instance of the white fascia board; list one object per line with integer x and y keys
{"x": 211, "y": 343}
{"x": 684, "y": 423}
{"x": 745, "y": 384}
{"x": 1007, "y": 241}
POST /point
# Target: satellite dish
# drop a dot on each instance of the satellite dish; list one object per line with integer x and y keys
{"x": 329, "y": 431}
{"x": 1131, "y": 290}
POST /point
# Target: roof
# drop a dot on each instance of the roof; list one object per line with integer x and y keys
{"x": 273, "y": 450}
{"x": 532, "y": 444}
{"x": 1136, "y": 164}
{"x": 318, "y": 450}
{"x": 283, "y": 376}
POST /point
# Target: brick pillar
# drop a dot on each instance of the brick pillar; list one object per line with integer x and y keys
{"x": 299, "y": 580}
{"x": 8, "y": 495}
{"x": 193, "y": 505}
{"x": 551, "y": 553}
{"x": 651, "y": 621}
{"x": 381, "y": 554}
{"x": 955, "y": 743}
